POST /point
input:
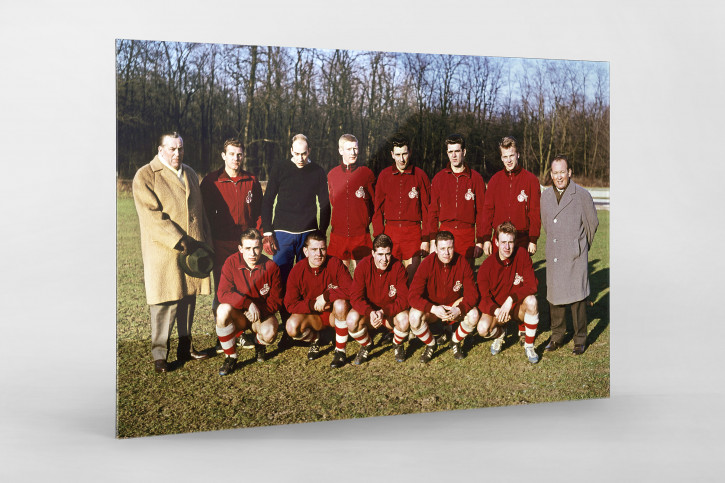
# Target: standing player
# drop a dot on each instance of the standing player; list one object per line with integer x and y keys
{"x": 514, "y": 195}
{"x": 250, "y": 292}
{"x": 379, "y": 298}
{"x": 443, "y": 289}
{"x": 402, "y": 196}
{"x": 318, "y": 291}
{"x": 351, "y": 198}
{"x": 456, "y": 202}
{"x": 507, "y": 285}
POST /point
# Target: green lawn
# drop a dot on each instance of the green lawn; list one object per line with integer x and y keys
{"x": 288, "y": 389}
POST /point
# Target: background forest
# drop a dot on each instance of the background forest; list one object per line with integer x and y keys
{"x": 265, "y": 95}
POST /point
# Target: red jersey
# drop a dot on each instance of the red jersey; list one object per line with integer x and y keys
{"x": 374, "y": 289}
{"x": 513, "y": 197}
{"x": 498, "y": 279}
{"x": 240, "y": 285}
{"x": 351, "y": 196}
{"x": 232, "y": 204}
{"x": 457, "y": 199}
{"x": 437, "y": 284}
{"x": 403, "y": 198}
{"x": 304, "y": 284}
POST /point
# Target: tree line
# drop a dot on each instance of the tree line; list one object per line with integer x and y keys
{"x": 265, "y": 95}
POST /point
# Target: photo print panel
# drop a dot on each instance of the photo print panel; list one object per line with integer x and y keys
{"x": 310, "y": 235}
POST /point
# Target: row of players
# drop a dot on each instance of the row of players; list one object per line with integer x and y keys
{"x": 321, "y": 293}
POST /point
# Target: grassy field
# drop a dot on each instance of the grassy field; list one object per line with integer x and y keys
{"x": 288, "y": 389}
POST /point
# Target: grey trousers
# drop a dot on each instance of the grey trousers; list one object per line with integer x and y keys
{"x": 163, "y": 317}
{"x": 579, "y": 321}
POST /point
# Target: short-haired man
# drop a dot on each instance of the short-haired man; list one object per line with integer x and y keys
{"x": 233, "y": 204}
{"x": 570, "y": 221}
{"x": 172, "y": 222}
{"x": 507, "y": 285}
{"x": 351, "y": 198}
{"x": 443, "y": 289}
{"x": 456, "y": 201}
{"x": 379, "y": 298}
{"x": 250, "y": 292}
{"x": 318, "y": 294}
{"x": 402, "y": 197}
{"x": 513, "y": 195}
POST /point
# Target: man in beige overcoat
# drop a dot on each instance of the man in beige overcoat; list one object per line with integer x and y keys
{"x": 570, "y": 220}
{"x": 172, "y": 220}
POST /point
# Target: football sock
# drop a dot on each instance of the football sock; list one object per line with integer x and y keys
{"x": 462, "y": 331}
{"x": 362, "y": 336}
{"x": 423, "y": 333}
{"x": 340, "y": 335}
{"x": 399, "y": 336}
{"x": 227, "y": 339}
{"x": 530, "y": 322}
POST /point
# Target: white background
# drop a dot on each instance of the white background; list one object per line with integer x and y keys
{"x": 57, "y": 317}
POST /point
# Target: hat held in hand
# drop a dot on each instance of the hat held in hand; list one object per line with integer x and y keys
{"x": 198, "y": 261}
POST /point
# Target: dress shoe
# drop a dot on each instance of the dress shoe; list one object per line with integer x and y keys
{"x": 578, "y": 349}
{"x": 192, "y": 355}
{"x": 161, "y": 366}
{"x": 552, "y": 346}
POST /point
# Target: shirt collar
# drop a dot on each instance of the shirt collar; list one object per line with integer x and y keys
{"x": 514, "y": 171}
{"x": 178, "y": 172}
{"x": 408, "y": 169}
{"x": 348, "y": 168}
{"x": 466, "y": 170}
{"x": 506, "y": 262}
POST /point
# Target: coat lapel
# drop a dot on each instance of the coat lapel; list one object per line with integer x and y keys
{"x": 566, "y": 198}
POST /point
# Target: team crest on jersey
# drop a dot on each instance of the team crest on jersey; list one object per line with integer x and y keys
{"x": 248, "y": 199}
{"x": 522, "y": 196}
{"x": 470, "y": 195}
{"x": 264, "y": 290}
{"x": 518, "y": 279}
{"x": 332, "y": 287}
{"x": 458, "y": 286}
{"x": 413, "y": 193}
{"x": 392, "y": 291}
{"x": 360, "y": 193}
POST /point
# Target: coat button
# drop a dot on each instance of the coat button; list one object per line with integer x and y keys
{"x": 554, "y": 240}
{"x": 554, "y": 220}
{"x": 556, "y": 260}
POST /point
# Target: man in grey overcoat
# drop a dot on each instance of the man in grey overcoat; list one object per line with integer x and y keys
{"x": 172, "y": 221}
{"x": 570, "y": 219}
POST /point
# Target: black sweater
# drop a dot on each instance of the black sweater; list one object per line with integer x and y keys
{"x": 295, "y": 190}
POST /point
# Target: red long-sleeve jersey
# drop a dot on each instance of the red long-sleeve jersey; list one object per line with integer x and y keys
{"x": 513, "y": 197}
{"x": 402, "y": 197}
{"x": 352, "y": 191}
{"x": 457, "y": 198}
{"x": 375, "y": 289}
{"x": 498, "y": 279}
{"x": 304, "y": 284}
{"x": 240, "y": 285}
{"x": 437, "y": 284}
{"x": 232, "y": 205}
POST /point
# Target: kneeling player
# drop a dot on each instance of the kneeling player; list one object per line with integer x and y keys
{"x": 507, "y": 285}
{"x": 379, "y": 298}
{"x": 318, "y": 290}
{"x": 250, "y": 292}
{"x": 443, "y": 289}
